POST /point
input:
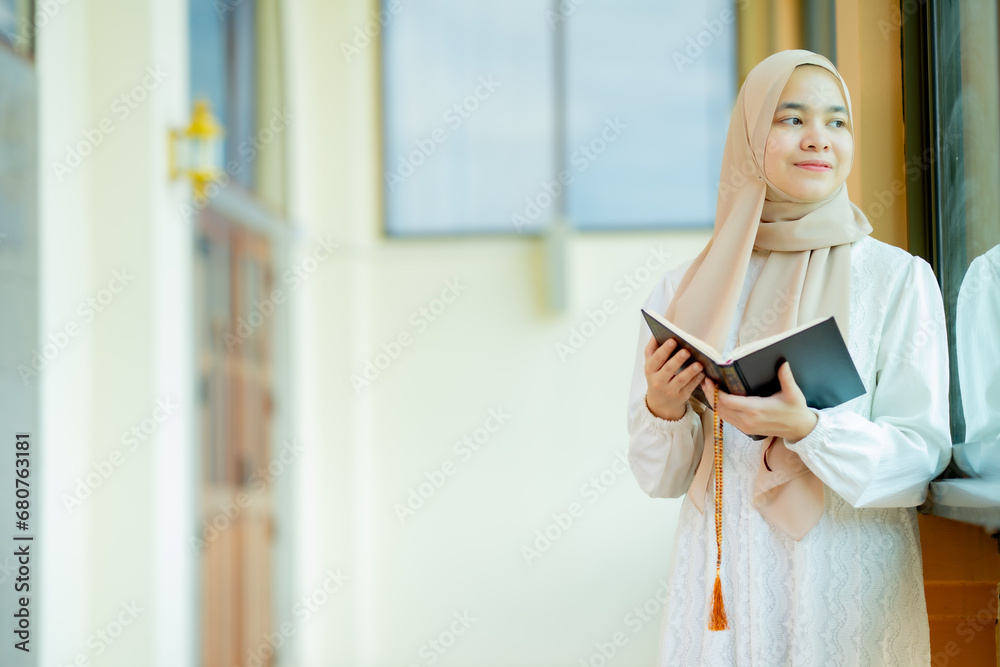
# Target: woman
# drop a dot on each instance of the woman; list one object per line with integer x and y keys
{"x": 812, "y": 532}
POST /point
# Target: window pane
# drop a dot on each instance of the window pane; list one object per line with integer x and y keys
{"x": 223, "y": 71}
{"x": 468, "y": 114}
{"x": 649, "y": 87}
{"x": 208, "y": 61}
{"x": 241, "y": 56}
{"x": 18, "y": 27}
{"x": 969, "y": 136}
{"x": 650, "y": 90}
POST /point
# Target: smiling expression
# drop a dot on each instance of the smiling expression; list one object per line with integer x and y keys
{"x": 810, "y": 146}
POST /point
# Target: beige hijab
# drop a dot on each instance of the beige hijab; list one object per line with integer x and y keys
{"x": 807, "y": 275}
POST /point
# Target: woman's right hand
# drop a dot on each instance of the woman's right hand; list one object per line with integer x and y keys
{"x": 667, "y": 391}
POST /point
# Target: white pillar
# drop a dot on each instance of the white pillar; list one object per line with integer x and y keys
{"x": 114, "y": 80}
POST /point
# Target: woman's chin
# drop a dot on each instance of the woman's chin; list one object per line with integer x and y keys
{"x": 809, "y": 192}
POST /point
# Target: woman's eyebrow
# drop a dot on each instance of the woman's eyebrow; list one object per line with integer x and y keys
{"x": 833, "y": 108}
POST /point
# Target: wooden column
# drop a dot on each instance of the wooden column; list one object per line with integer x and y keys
{"x": 868, "y": 57}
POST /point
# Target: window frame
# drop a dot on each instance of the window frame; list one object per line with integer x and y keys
{"x": 560, "y": 222}
{"x": 929, "y": 81}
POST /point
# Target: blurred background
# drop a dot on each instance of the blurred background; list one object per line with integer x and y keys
{"x": 321, "y": 314}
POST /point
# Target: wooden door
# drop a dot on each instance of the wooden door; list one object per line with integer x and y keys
{"x": 233, "y": 276}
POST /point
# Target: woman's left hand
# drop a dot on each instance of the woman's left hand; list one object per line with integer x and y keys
{"x": 784, "y": 414}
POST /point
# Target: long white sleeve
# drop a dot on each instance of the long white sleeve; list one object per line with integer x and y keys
{"x": 977, "y": 334}
{"x": 889, "y": 460}
{"x": 663, "y": 454}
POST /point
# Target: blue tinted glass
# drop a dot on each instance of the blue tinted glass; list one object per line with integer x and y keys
{"x": 242, "y": 144}
{"x": 17, "y": 26}
{"x": 10, "y": 19}
{"x": 208, "y": 56}
{"x": 224, "y": 71}
{"x": 468, "y": 114}
{"x": 650, "y": 87}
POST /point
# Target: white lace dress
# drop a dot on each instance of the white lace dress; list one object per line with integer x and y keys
{"x": 850, "y": 593}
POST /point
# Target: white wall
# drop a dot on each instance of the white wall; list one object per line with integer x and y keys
{"x": 494, "y": 347}
{"x": 125, "y": 545}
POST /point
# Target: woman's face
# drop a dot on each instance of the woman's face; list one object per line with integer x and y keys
{"x": 809, "y": 146}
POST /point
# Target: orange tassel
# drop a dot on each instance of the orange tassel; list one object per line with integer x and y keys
{"x": 717, "y": 620}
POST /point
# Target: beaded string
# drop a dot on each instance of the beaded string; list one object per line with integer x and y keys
{"x": 717, "y": 620}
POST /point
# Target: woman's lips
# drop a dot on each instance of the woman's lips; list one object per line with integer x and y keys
{"x": 811, "y": 166}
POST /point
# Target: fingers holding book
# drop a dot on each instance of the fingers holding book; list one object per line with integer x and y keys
{"x": 783, "y": 414}
{"x": 669, "y": 384}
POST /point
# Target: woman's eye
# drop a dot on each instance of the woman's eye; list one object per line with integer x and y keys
{"x": 839, "y": 123}
{"x": 792, "y": 121}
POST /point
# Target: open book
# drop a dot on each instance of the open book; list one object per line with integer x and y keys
{"x": 820, "y": 362}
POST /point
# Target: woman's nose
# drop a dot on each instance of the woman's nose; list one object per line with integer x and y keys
{"x": 815, "y": 139}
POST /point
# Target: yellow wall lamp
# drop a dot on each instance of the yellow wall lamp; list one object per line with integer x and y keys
{"x": 196, "y": 151}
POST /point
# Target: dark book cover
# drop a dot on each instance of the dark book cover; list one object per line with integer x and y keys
{"x": 820, "y": 361}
